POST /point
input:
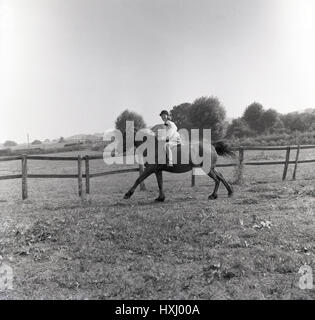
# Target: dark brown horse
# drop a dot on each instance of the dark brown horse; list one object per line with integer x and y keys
{"x": 209, "y": 150}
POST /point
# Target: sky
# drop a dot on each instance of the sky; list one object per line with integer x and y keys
{"x": 71, "y": 66}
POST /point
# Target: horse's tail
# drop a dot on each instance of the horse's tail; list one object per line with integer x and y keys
{"x": 223, "y": 149}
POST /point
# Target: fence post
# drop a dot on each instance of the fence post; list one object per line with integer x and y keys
{"x": 80, "y": 175}
{"x": 287, "y": 159}
{"x": 24, "y": 177}
{"x": 87, "y": 175}
{"x": 141, "y": 169}
{"x": 241, "y": 155}
{"x": 296, "y": 162}
{"x": 239, "y": 172}
{"x": 193, "y": 177}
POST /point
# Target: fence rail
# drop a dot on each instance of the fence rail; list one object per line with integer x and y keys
{"x": 240, "y": 163}
{"x": 249, "y": 148}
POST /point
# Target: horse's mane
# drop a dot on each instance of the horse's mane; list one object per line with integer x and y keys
{"x": 157, "y": 127}
{"x": 153, "y": 130}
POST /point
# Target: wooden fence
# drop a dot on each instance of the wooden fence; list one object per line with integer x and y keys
{"x": 79, "y": 176}
{"x": 88, "y": 176}
{"x": 241, "y": 159}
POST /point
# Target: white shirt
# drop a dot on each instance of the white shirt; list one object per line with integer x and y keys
{"x": 171, "y": 132}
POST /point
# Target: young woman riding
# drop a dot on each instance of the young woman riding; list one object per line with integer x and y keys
{"x": 172, "y": 137}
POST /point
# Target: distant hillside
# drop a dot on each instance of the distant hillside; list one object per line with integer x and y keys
{"x": 310, "y": 110}
{"x": 83, "y": 137}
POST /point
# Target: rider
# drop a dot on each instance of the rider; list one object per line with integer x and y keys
{"x": 172, "y": 137}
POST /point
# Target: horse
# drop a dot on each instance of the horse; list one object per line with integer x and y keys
{"x": 219, "y": 148}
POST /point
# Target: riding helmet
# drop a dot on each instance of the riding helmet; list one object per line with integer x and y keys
{"x": 164, "y": 112}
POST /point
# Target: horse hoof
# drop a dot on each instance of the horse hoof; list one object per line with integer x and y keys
{"x": 127, "y": 196}
{"x": 159, "y": 199}
{"x": 230, "y": 195}
{"x": 212, "y": 197}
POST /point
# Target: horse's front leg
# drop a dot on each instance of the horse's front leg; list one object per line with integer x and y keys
{"x": 159, "y": 177}
{"x": 147, "y": 172}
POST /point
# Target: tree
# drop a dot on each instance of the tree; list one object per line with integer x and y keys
{"x": 36, "y": 142}
{"x": 278, "y": 127}
{"x": 252, "y": 116}
{"x": 208, "y": 113}
{"x": 10, "y": 143}
{"x": 61, "y": 140}
{"x": 239, "y": 128}
{"x": 295, "y": 121}
{"x": 308, "y": 119}
{"x": 268, "y": 119}
{"x": 180, "y": 116}
{"x": 127, "y": 115}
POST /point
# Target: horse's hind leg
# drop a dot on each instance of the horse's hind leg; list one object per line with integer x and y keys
{"x": 212, "y": 175}
{"x": 226, "y": 184}
{"x": 159, "y": 178}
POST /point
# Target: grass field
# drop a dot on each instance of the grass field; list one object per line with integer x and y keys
{"x": 250, "y": 246}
